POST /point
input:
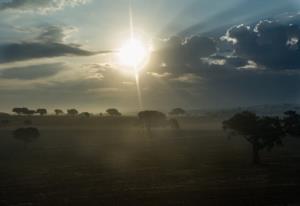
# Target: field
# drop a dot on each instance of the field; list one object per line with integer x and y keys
{"x": 113, "y": 161}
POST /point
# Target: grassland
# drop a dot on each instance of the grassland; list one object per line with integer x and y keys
{"x": 113, "y": 161}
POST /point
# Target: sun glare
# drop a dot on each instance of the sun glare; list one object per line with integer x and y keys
{"x": 134, "y": 54}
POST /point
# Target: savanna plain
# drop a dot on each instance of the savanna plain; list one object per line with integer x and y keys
{"x": 115, "y": 161}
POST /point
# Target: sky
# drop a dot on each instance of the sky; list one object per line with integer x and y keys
{"x": 204, "y": 53}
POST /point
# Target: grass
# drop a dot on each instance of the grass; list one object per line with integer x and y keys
{"x": 106, "y": 161}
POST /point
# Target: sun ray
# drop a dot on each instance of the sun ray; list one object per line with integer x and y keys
{"x": 132, "y": 38}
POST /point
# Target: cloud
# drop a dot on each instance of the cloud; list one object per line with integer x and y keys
{"x": 54, "y": 33}
{"x": 48, "y": 42}
{"x": 188, "y": 78}
{"x": 39, "y": 6}
{"x": 180, "y": 54}
{"x": 32, "y": 72}
{"x": 31, "y": 50}
{"x": 268, "y": 43}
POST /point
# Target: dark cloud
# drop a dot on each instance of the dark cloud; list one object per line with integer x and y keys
{"x": 243, "y": 11}
{"x": 42, "y": 6}
{"x": 32, "y": 50}
{"x": 32, "y": 72}
{"x": 49, "y": 42}
{"x": 182, "y": 55}
{"x": 269, "y": 43}
{"x": 54, "y": 33}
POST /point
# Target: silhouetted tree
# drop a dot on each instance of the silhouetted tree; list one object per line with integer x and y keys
{"x": 152, "y": 118}
{"x": 177, "y": 112}
{"x": 72, "y": 112}
{"x": 85, "y": 114}
{"x": 26, "y": 135}
{"x": 20, "y": 111}
{"x": 291, "y": 123}
{"x": 174, "y": 123}
{"x": 261, "y": 132}
{"x": 42, "y": 112}
{"x": 58, "y": 112}
{"x": 113, "y": 112}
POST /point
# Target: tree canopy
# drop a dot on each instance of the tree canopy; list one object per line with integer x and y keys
{"x": 261, "y": 132}
{"x": 152, "y": 118}
{"x": 113, "y": 112}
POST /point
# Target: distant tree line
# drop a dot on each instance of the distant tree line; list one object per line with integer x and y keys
{"x": 113, "y": 112}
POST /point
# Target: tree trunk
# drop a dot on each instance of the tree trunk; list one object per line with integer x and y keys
{"x": 256, "y": 157}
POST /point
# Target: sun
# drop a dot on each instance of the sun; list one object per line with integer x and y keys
{"x": 134, "y": 54}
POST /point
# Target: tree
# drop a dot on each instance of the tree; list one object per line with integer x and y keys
{"x": 291, "y": 123}
{"x": 58, "y": 112}
{"x": 152, "y": 118}
{"x": 177, "y": 112}
{"x": 26, "y": 135}
{"x": 85, "y": 114}
{"x": 20, "y": 111}
{"x": 42, "y": 112}
{"x": 113, "y": 112}
{"x": 72, "y": 112}
{"x": 260, "y": 132}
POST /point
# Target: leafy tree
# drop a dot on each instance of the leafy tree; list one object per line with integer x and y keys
{"x": 260, "y": 132}
{"x": 72, "y": 112}
{"x": 113, "y": 112}
{"x": 26, "y": 135}
{"x": 58, "y": 112}
{"x": 152, "y": 118}
{"x": 42, "y": 112}
{"x": 85, "y": 114}
{"x": 20, "y": 111}
{"x": 177, "y": 112}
